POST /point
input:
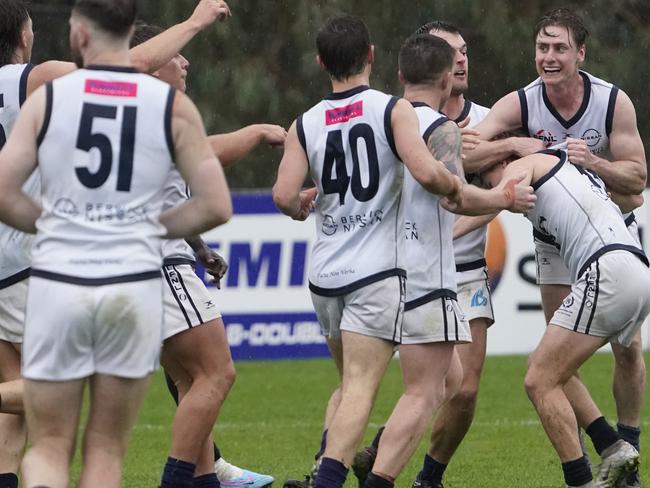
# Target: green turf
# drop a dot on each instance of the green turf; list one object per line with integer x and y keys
{"x": 272, "y": 422}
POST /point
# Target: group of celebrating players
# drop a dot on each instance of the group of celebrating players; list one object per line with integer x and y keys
{"x": 114, "y": 173}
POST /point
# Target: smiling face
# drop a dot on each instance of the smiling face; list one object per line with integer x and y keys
{"x": 460, "y": 70}
{"x": 557, "y": 57}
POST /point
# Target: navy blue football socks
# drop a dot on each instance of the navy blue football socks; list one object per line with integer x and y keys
{"x": 209, "y": 480}
{"x": 432, "y": 470}
{"x": 602, "y": 434}
{"x": 8, "y": 480}
{"x": 177, "y": 474}
{"x": 577, "y": 472}
{"x": 629, "y": 434}
{"x": 331, "y": 474}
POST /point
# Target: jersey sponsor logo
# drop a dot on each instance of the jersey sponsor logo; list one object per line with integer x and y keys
{"x": 411, "y": 231}
{"x": 546, "y": 137}
{"x": 343, "y": 114}
{"x": 111, "y": 88}
{"x": 568, "y": 302}
{"x": 65, "y": 207}
{"x": 592, "y": 137}
{"x": 479, "y": 299}
{"x": 329, "y": 226}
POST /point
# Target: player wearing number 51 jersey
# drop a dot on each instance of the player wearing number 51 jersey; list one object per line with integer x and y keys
{"x": 104, "y": 139}
{"x": 352, "y": 144}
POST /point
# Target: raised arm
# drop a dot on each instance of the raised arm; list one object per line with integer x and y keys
{"x": 150, "y": 55}
{"x": 233, "y": 146}
{"x": 209, "y": 204}
{"x": 428, "y": 171}
{"x": 626, "y": 173}
{"x": 17, "y": 162}
{"x": 157, "y": 51}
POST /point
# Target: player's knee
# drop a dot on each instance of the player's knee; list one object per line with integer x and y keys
{"x": 465, "y": 399}
{"x": 630, "y": 358}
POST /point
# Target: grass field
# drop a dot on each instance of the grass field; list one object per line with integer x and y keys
{"x": 272, "y": 422}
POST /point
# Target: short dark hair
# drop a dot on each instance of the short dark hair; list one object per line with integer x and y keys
{"x": 112, "y": 16}
{"x": 143, "y": 32}
{"x": 13, "y": 15}
{"x": 438, "y": 25}
{"x": 423, "y": 58}
{"x": 343, "y": 43}
{"x": 567, "y": 18}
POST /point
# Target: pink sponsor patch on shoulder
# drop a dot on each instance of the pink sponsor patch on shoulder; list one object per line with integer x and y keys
{"x": 111, "y": 88}
{"x": 343, "y": 114}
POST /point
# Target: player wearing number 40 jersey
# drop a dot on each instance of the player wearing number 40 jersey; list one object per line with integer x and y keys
{"x": 94, "y": 308}
{"x": 352, "y": 144}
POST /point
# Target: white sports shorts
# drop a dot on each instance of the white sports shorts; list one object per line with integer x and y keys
{"x": 474, "y": 296}
{"x": 74, "y": 331}
{"x": 439, "y": 320}
{"x": 12, "y": 311}
{"x": 610, "y": 299}
{"x": 374, "y": 310}
{"x": 187, "y": 302}
{"x": 551, "y": 269}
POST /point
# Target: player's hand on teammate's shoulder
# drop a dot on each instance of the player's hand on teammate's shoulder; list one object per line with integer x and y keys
{"x": 524, "y": 146}
{"x": 579, "y": 153}
{"x": 307, "y": 201}
{"x": 214, "y": 264}
{"x": 273, "y": 135}
{"x": 207, "y": 11}
{"x": 520, "y": 197}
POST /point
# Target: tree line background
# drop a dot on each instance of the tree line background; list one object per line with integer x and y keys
{"x": 259, "y": 66}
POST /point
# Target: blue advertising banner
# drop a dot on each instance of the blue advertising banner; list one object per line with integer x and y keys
{"x": 264, "y": 297}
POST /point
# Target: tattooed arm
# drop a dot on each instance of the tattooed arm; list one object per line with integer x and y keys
{"x": 445, "y": 144}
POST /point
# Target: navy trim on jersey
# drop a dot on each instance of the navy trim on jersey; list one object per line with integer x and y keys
{"x": 429, "y": 297}
{"x": 581, "y": 111}
{"x": 593, "y": 177}
{"x": 630, "y": 219}
{"x": 611, "y": 104}
{"x": 14, "y": 278}
{"x": 169, "y": 105}
{"x": 548, "y": 239}
{"x": 347, "y": 93}
{"x": 613, "y": 247}
{"x": 552, "y": 171}
{"x": 175, "y": 295}
{"x": 466, "y": 109}
{"x": 479, "y": 263}
{"x": 178, "y": 261}
{"x": 523, "y": 105}
{"x": 421, "y": 104}
{"x": 388, "y": 126}
{"x": 368, "y": 280}
{"x": 432, "y": 127}
{"x": 22, "y": 90}
{"x": 49, "y": 95}
{"x": 301, "y": 135}
{"x": 111, "y": 280}
{"x": 119, "y": 69}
